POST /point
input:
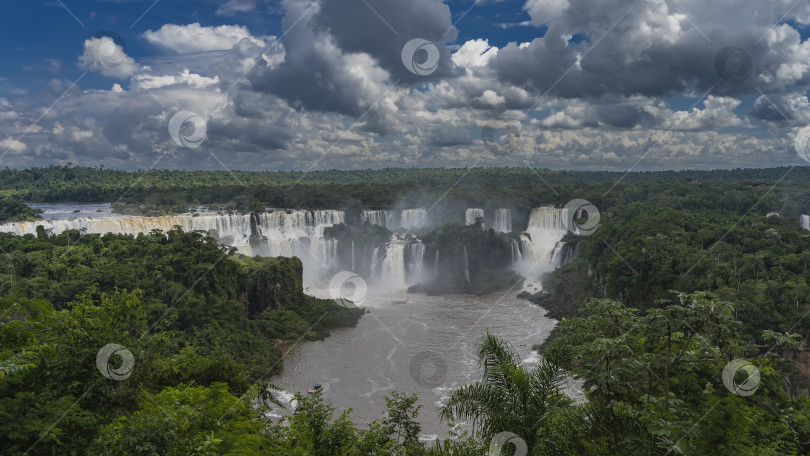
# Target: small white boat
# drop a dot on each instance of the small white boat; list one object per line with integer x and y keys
{"x": 316, "y": 388}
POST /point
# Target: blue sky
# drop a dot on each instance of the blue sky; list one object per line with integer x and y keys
{"x": 318, "y": 84}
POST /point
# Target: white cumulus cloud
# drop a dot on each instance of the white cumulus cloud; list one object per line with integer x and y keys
{"x": 194, "y": 37}
{"x": 107, "y": 57}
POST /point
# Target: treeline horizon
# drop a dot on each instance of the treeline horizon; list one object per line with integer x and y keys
{"x": 162, "y": 192}
{"x": 339, "y": 176}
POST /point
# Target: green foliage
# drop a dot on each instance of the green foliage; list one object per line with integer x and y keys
{"x": 186, "y": 323}
{"x": 654, "y": 385}
{"x": 509, "y": 398}
{"x": 12, "y": 210}
{"x": 182, "y": 421}
{"x": 60, "y": 399}
{"x": 201, "y": 289}
{"x": 400, "y": 422}
{"x": 642, "y": 251}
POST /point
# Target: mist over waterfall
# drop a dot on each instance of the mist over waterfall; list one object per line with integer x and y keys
{"x": 804, "y": 221}
{"x": 546, "y": 228}
{"x": 391, "y": 264}
{"x": 517, "y": 255}
{"x": 413, "y": 218}
{"x": 471, "y": 214}
{"x": 503, "y": 221}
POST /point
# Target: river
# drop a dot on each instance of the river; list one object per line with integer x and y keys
{"x": 426, "y": 346}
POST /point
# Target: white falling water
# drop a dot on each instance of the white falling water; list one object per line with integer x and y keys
{"x": 804, "y": 220}
{"x": 375, "y": 261}
{"x": 466, "y": 265}
{"x": 503, "y": 221}
{"x": 392, "y": 270}
{"x": 547, "y": 226}
{"x": 560, "y": 256}
{"x": 517, "y": 256}
{"x": 387, "y": 219}
{"x": 416, "y": 261}
{"x": 280, "y": 233}
{"x": 525, "y": 247}
{"x": 413, "y": 218}
{"x": 471, "y": 214}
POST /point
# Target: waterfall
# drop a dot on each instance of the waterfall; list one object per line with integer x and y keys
{"x": 407, "y": 219}
{"x": 278, "y": 224}
{"x": 547, "y": 226}
{"x": 416, "y": 261}
{"x": 556, "y": 254}
{"x": 548, "y": 218}
{"x": 503, "y": 221}
{"x": 279, "y": 233}
{"x": 466, "y": 265}
{"x": 375, "y": 261}
{"x": 471, "y": 214}
{"x": 391, "y": 220}
{"x": 413, "y": 218}
{"x": 436, "y": 262}
{"x": 392, "y": 270}
{"x": 561, "y": 255}
{"x": 385, "y": 219}
{"x": 525, "y": 247}
{"x": 517, "y": 256}
{"x": 804, "y": 220}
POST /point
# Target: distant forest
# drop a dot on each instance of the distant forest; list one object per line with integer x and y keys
{"x": 153, "y": 192}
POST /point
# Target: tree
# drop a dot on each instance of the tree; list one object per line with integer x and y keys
{"x": 509, "y": 397}
{"x": 654, "y": 382}
{"x": 400, "y": 421}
